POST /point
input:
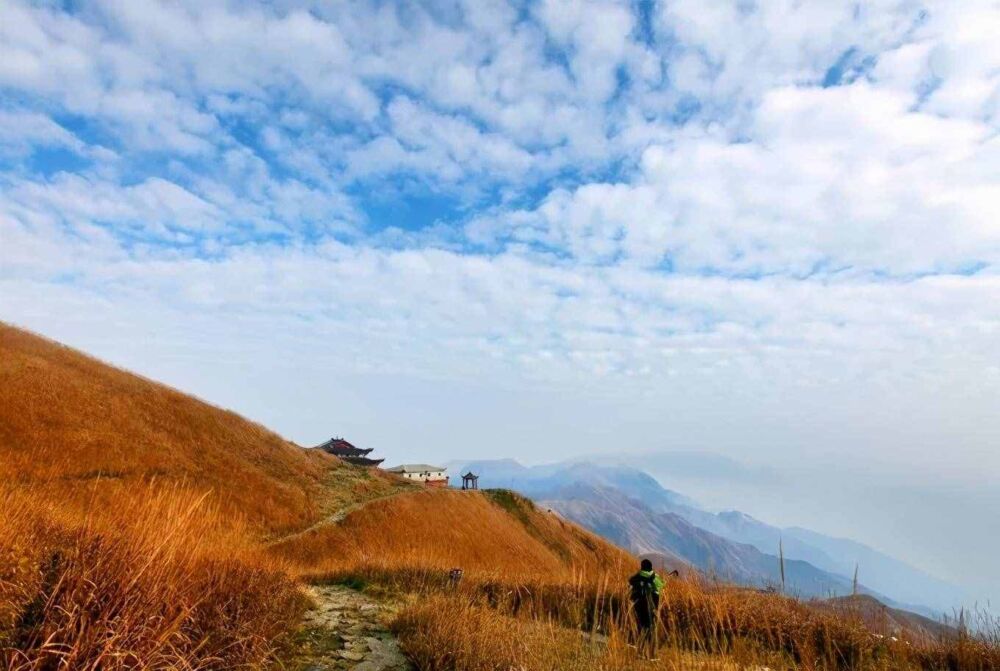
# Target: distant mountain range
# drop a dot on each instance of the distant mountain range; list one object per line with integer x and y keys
{"x": 632, "y": 509}
{"x": 888, "y": 575}
{"x": 633, "y": 525}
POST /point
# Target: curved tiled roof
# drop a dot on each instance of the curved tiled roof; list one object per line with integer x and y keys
{"x": 342, "y": 448}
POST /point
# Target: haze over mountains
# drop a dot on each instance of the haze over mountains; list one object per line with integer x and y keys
{"x": 631, "y": 508}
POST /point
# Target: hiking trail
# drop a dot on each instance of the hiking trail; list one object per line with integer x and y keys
{"x": 346, "y": 630}
{"x": 338, "y": 516}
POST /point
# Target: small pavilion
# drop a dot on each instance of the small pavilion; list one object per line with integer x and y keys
{"x": 470, "y": 481}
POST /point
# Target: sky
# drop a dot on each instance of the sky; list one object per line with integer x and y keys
{"x": 762, "y": 230}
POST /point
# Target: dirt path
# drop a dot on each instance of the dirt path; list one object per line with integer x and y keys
{"x": 347, "y": 630}
{"x": 338, "y": 516}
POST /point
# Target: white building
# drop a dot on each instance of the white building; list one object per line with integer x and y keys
{"x": 432, "y": 476}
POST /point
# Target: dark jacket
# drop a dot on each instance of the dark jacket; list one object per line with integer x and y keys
{"x": 646, "y": 587}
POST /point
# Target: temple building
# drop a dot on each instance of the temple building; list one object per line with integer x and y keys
{"x": 432, "y": 476}
{"x": 339, "y": 447}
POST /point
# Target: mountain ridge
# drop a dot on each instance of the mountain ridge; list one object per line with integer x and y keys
{"x": 631, "y": 524}
{"x": 834, "y": 573}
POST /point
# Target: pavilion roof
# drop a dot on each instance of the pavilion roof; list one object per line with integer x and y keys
{"x": 364, "y": 461}
{"x": 342, "y": 448}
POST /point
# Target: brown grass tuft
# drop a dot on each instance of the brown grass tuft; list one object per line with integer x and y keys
{"x": 154, "y": 585}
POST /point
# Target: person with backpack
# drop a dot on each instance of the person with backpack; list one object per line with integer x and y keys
{"x": 645, "y": 595}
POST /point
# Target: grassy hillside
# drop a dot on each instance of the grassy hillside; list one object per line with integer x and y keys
{"x": 131, "y": 517}
{"x": 143, "y": 528}
{"x": 887, "y": 621}
{"x": 77, "y": 428}
{"x": 482, "y": 532}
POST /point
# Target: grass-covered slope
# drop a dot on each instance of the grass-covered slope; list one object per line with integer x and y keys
{"x": 144, "y": 528}
{"x": 78, "y": 429}
{"x": 131, "y": 517}
{"x": 484, "y": 532}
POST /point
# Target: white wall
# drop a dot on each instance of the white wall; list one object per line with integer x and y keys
{"x": 434, "y": 475}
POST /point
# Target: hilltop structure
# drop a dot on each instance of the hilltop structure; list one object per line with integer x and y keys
{"x": 432, "y": 476}
{"x": 339, "y": 447}
{"x": 470, "y": 481}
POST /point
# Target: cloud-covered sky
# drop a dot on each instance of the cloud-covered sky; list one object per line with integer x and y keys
{"x": 763, "y": 229}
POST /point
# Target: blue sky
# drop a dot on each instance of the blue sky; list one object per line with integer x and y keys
{"x": 463, "y": 229}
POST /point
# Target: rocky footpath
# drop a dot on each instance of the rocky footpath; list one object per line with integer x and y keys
{"x": 346, "y": 630}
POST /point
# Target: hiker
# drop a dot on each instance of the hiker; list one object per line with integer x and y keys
{"x": 646, "y": 587}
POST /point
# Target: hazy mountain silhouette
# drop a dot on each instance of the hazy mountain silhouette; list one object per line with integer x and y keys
{"x": 633, "y": 525}
{"x": 631, "y": 508}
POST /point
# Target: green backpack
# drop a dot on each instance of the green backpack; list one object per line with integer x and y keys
{"x": 643, "y": 587}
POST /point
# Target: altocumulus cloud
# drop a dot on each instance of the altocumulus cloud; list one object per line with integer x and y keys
{"x": 773, "y": 209}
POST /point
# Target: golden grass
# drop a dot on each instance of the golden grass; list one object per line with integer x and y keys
{"x": 535, "y": 624}
{"x": 447, "y": 632}
{"x": 141, "y": 528}
{"x": 477, "y": 638}
{"x": 67, "y": 419}
{"x": 154, "y": 584}
{"x": 131, "y": 519}
{"x": 440, "y": 529}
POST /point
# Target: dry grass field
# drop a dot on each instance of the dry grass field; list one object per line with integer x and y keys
{"x": 582, "y": 623}
{"x": 80, "y": 429}
{"x": 143, "y": 529}
{"x": 130, "y": 519}
{"x": 482, "y": 532}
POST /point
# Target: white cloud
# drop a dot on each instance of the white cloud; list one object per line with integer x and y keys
{"x": 597, "y": 36}
{"x": 674, "y": 217}
{"x": 160, "y": 212}
{"x": 966, "y": 61}
{"x": 747, "y": 48}
{"x": 22, "y": 132}
{"x": 447, "y": 146}
{"x": 850, "y": 177}
{"x": 887, "y": 174}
